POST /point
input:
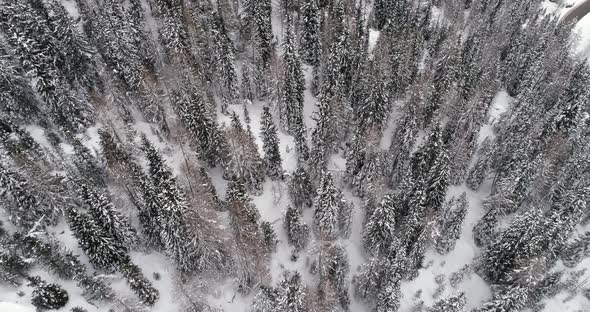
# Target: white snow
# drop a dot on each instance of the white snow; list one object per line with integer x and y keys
{"x": 15, "y": 307}
{"x": 71, "y": 7}
{"x": 500, "y": 104}
{"x": 373, "y": 37}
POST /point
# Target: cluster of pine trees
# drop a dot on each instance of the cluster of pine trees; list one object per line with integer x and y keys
{"x": 402, "y": 90}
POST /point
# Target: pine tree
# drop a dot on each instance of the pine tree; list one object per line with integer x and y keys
{"x": 270, "y": 145}
{"x": 244, "y": 160}
{"x": 297, "y": 230}
{"x": 31, "y": 34}
{"x": 60, "y": 261}
{"x": 172, "y": 210}
{"x": 75, "y": 61}
{"x": 246, "y": 84}
{"x": 389, "y": 292}
{"x": 173, "y": 32}
{"x": 575, "y": 251}
{"x": 512, "y": 300}
{"x": 19, "y": 102}
{"x": 13, "y": 267}
{"x": 258, "y": 16}
{"x": 310, "y": 32}
{"x": 138, "y": 283}
{"x": 249, "y": 237}
{"x": 380, "y": 230}
{"x": 47, "y": 296}
{"x": 300, "y": 189}
{"x": 224, "y": 61}
{"x": 451, "y": 224}
{"x": 265, "y": 300}
{"x": 270, "y": 237}
{"x": 105, "y": 215}
{"x": 334, "y": 269}
{"x": 328, "y": 207}
{"x": 291, "y": 105}
{"x": 27, "y": 203}
{"x": 290, "y": 294}
{"x": 451, "y": 304}
{"x": 103, "y": 251}
{"x": 88, "y": 166}
{"x": 400, "y": 150}
{"x": 202, "y": 126}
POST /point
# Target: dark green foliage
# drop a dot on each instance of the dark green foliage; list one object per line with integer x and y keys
{"x": 63, "y": 263}
{"x": 170, "y": 215}
{"x": 291, "y": 105}
{"x": 380, "y": 230}
{"x": 451, "y": 224}
{"x": 47, "y": 296}
{"x": 297, "y": 230}
{"x": 13, "y": 267}
{"x": 202, "y": 126}
{"x": 101, "y": 248}
{"x": 105, "y": 215}
{"x": 451, "y": 304}
{"x": 300, "y": 189}
{"x": 328, "y": 207}
{"x": 310, "y": 32}
{"x": 138, "y": 283}
{"x": 29, "y": 204}
{"x": 270, "y": 237}
{"x": 512, "y": 300}
{"x": 88, "y": 166}
{"x": 270, "y": 145}
{"x": 224, "y": 62}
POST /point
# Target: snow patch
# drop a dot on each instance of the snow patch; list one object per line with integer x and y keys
{"x": 15, "y": 307}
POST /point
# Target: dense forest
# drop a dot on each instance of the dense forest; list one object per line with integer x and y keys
{"x": 293, "y": 155}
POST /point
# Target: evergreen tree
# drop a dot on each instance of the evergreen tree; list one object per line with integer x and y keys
{"x": 13, "y": 267}
{"x": 103, "y": 251}
{"x": 400, "y": 150}
{"x": 202, "y": 126}
{"x": 265, "y": 300}
{"x": 329, "y": 208}
{"x": 32, "y": 35}
{"x": 575, "y": 251}
{"x": 19, "y": 102}
{"x": 290, "y": 295}
{"x": 258, "y": 16}
{"x": 173, "y": 33}
{"x": 297, "y": 230}
{"x": 27, "y": 203}
{"x": 291, "y": 105}
{"x": 224, "y": 61}
{"x": 270, "y": 144}
{"x": 138, "y": 283}
{"x": 451, "y": 304}
{"x": 300, "y": 189}
{"x": 246, "y": 84}
{"x": 87, "y": 165}
{"x": 512, "y": 300}
{"x": 47, "y": 296}
{"x": 380, "y": 231}
{"x": 450, "y": 226}
{"x": 389, "y": 292}
{"x": 310, "y": 32}
{"x": 172, "y": 210}
{"x": 62, "y": 262}
{"x": 107, "y": 217}
{"x": 270, "y": 237}
{"x": 244, "y": 161}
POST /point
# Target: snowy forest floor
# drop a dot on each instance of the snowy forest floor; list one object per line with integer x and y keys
{"x": 272, "y": 204}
